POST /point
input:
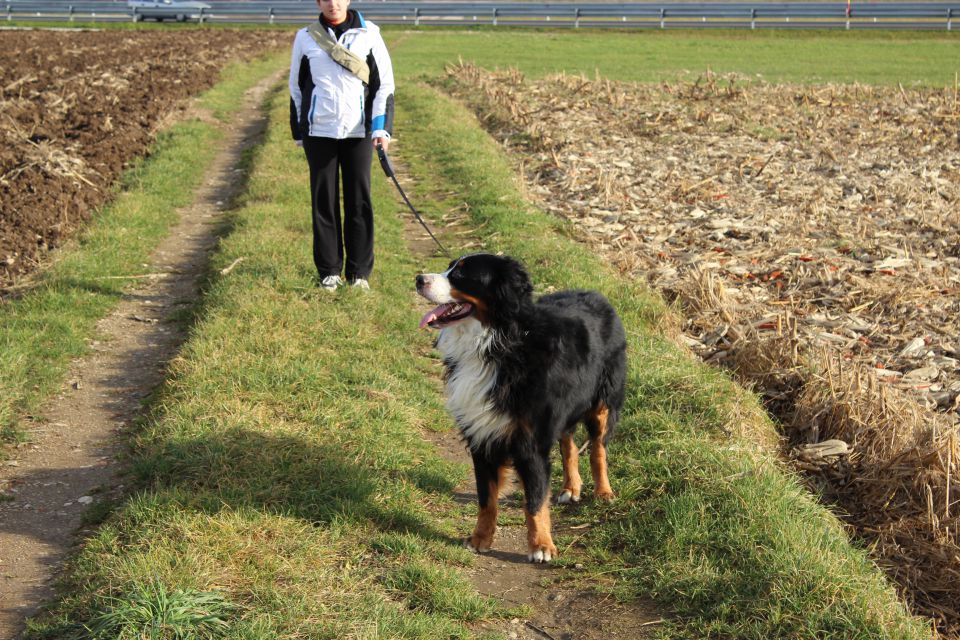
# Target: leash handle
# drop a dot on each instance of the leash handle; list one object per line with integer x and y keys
{"x": 387, "y": 167}
{"x": 385, "y": 163}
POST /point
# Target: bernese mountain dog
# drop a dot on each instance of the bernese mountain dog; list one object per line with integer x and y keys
{"x": 520, "y": 375}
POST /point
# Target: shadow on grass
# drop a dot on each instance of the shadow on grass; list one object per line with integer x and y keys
{"x": 317, "y": 481}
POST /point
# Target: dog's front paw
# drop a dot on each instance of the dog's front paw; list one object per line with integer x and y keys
{"x": 605, "y": 496}
{"x": 568, "y": 497}
{"x": 477, "y": 545}
{"x": 541, "y": 554}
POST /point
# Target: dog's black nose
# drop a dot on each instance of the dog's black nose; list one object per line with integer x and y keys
{"x": 421, "y": 281}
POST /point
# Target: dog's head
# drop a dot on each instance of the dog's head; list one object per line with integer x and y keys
{"x": 492, "y": 289}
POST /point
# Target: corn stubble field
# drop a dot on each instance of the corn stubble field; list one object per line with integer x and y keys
{"x": 810, "y": 236}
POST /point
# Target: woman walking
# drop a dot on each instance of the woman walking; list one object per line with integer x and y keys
{"x": 341, "y": 107}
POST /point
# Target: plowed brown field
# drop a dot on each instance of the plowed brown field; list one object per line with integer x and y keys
{"x": 77, "y": 107}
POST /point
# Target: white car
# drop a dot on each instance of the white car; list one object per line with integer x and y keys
{"x": 160, "y": 10}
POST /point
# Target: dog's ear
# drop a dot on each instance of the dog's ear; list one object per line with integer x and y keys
{"x": 514, "y": 288}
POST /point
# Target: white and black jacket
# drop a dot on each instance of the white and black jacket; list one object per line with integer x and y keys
{"x": 328, "y": 101}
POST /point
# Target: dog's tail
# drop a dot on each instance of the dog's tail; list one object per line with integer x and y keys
{"x": 611, "y": 391}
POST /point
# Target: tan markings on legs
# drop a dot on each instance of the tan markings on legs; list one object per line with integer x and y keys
{"x": 571, "y": 470}
{"x": 598, "y": 456}
{"x": 539, "y": 540}
{"x": 482, "y": 538}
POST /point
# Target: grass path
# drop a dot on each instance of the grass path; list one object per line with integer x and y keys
{"x": 281, "y": 473}
{"x": 71, "y": 461}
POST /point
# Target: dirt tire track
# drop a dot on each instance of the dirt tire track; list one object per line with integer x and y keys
{"x": 72, "y": 461}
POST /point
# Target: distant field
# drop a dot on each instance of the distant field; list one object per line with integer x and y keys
{"x": 887, "y": 58}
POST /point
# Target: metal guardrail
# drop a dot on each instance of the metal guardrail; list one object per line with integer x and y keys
{"x": 893, "y": 15}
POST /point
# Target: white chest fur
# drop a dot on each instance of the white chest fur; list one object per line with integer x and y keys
{"x": 471, "y": 383}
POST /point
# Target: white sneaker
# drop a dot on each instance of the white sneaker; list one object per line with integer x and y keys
{"x": 330, "y": 283}
{"x": 361, "y": 283}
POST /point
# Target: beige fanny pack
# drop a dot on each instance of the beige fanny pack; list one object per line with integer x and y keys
{"x": 340, "y": 54}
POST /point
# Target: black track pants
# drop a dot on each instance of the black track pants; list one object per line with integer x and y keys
{"x": 354, "y": 236}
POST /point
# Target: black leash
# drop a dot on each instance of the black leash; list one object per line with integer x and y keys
{"x": 388, "y": 169}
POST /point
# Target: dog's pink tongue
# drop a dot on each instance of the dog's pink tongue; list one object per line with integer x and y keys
{"x": 431, "y": 316}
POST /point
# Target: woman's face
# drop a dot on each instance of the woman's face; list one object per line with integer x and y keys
{"x": 335, "y": 11}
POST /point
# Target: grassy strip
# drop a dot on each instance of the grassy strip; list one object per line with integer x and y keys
{"x": 284, "y": 477}
{"x": 50, "y": 325}
{"x": 708, "y": 521}
{"x": 876, "y": 57}
{"x": 883, "y": 58}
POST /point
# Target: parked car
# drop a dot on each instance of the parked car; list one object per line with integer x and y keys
{"x": 160, "y": 10}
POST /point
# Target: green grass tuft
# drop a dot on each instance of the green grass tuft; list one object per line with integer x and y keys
{"x": 436, "y": 589}
{"x": 152, "y": 612}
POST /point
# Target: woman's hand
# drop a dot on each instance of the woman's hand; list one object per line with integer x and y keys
{"x": 381, "y": 142}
